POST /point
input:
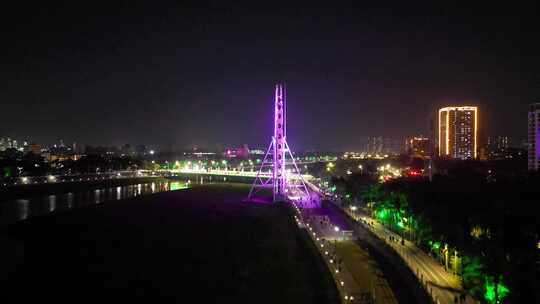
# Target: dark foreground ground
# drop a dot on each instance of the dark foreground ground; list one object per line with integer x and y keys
{"x": 198, "y": 245}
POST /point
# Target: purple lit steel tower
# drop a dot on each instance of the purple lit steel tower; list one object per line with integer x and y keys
{"x": 287, "y": 185}
{"x": 279, "y": 172}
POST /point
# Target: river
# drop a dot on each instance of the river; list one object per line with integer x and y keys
{"x": 12, "y": 211}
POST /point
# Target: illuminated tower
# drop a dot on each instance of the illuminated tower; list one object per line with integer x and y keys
{"x": 458, "y": 132}
{"x": 287, "y": 184}
{"x": 279, "y": 173}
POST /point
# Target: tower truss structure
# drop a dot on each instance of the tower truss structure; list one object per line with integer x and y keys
{"x": 278, "y": 169}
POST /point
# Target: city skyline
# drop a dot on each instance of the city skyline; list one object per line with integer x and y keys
{"x": 373, "y": 144}
{"x": 187, "y": 77}
{"x": 295, "y": 153}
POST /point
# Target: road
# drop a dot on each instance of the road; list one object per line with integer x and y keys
{"x": 356, "y": 274}
{"x": 443, "y": 286}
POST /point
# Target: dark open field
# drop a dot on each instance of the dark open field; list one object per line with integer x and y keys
{"x": 198, "y": 245}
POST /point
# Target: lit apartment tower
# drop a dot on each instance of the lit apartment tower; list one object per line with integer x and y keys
{"x": 497, "y": 147}
{"x": 534, "y": 136}
{"x": 458, "y": 132}
{"x": 417, "y": 146}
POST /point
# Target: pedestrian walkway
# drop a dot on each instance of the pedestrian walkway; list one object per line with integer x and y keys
{"x": 441, "y": 285}
{"x": 357, "y": 276}
{"x": 365, "y": 272}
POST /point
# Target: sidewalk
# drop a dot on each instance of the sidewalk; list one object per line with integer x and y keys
{"x": 365, "y": 271}
{"x": 441, "y": 285}
{"x": 357, "y": 276}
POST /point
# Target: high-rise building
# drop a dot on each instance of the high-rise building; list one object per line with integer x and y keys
{"x": 417, "y": 146}
{"x": 534, "y": 136}
{"x": 387, "y": 146}
{"x": 458, "y": 132}
{"x": 497, "y": 147}
{"x": 380, "y": 146}
{"x": 34, "y": 148}
{"x": 374, "y": 145}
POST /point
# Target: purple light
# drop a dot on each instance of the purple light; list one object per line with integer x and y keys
{"x": 280, "y": 180}
{"x": 288, "y": 185}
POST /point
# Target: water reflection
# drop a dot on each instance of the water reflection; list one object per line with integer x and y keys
{"x": 178, "y": 186}
{"x": 20, "y": 209}
{"x": 52, "y": 203}
{"x": 69, "y": 200}
{"x": 118, "y": 192}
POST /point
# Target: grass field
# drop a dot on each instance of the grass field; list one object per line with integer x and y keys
{"x": 196, "y": 245}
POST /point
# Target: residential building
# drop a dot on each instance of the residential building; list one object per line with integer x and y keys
{"x": 458, "y": 132}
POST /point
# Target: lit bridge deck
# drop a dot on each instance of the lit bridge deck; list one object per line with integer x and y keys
{"x": 225, "y": 173}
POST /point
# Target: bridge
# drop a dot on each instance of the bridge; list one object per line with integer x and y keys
{"x": 233, "y": 172}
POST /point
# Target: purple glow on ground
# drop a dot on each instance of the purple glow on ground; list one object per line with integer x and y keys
{"x": 261, "y": 200}
{"x": 335, "y": 218}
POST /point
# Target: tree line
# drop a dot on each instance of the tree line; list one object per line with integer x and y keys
{"x": 483, "y": 228}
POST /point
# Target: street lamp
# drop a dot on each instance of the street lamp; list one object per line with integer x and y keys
{"x": 455, "y": 262}
{"x": 445, "y": 257}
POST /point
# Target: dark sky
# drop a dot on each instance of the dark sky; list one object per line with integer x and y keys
{"x": 162, "y": 74}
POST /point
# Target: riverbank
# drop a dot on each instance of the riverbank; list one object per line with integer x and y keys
{"x": 32, "y": 190}
{"x": 202, "y": 244}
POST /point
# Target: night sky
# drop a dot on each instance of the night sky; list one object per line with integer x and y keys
{"x": 165, "y": 75}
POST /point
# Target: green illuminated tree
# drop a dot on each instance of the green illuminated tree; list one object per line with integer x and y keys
{"x": 495, "y": 290}
{"x": 472, "y": 274}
